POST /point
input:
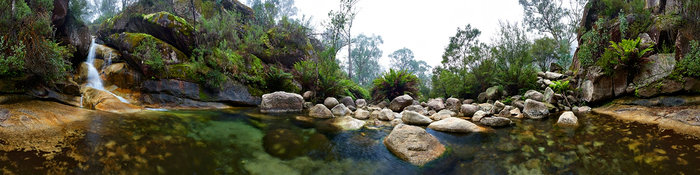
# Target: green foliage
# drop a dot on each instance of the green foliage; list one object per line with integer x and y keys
{"x": 624, "y": 25}
{"x": 152, "y": 56}
{"x": 278, "y": 80}
{"x": 613, "y": 7}
{"x": 12, "y": 63}
{"x": 560, "y": 86}
{"x": 690, "y": 64}
{"x": 325, "y": 77}
{"x": 629, "y": 52}
{"x": 395, "y": 83}
{"x": 365, "y": 58}
{"x": 594, "y": 43}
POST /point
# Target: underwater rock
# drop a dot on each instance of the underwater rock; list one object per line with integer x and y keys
{"x": 279, "y": 102}
{"x": 414, "y": 118}
{"x": 348, "y": 123}
{"x": 320, "y": 111}
{"x": 283, "y": 143}
{"x": 413, "y": 144}
{"x": 454, "y": 124}
{"x": 400, "y": 102}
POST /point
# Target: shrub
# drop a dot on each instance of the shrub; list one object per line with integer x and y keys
{"x": 559, "y": 86}
{"x": 594, "y": 41}
{"x": 149, "y": 52}
{"x": 12, "y": 63}
{"x": 629, "y": 52}
{"x": 690, "y": 64}
{"x": 395, "y": 83}
{"x": 278, "y": 80}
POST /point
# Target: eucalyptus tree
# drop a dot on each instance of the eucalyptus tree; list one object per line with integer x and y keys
{"x": 365, "y": 58}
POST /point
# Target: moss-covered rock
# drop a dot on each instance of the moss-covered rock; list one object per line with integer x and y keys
{"x": 162, "y": 52}
{"x": 165, "y": 26}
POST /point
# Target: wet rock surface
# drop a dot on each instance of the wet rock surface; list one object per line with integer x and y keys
{"x": 413, "y": 144}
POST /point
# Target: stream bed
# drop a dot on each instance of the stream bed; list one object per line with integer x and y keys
{"x": 243, "y": 141}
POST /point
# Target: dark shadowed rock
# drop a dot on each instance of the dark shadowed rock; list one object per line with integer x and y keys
{"x": 347, "y": 101}
{"x": 277, "y": 102}
{"x": 413, "y": 144}
{"x": 308, "y": 95}
{"x": 340, "y": 110}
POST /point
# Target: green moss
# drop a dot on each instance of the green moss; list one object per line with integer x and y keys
{"x": 178, "y": 23}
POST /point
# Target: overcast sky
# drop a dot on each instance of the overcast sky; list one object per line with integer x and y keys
{"x": 422, "y": 26}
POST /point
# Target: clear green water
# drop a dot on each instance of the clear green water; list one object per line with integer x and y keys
{"x": 242, "y": 141}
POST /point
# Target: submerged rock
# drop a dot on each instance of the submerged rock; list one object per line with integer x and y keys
{"x": 535, "y": 109}
{"x": 454, "y": 124}
{"x": 283, "y": 143}
{"x": 414, "y": 118}
{"x": 320, "y": 111}
{"x": 413, "y": 144}
{"x": 400, "y": 102}
{"x": 278, "y": 102}
{"x": 348, "y": 123}
{"x": 567, "y": 119}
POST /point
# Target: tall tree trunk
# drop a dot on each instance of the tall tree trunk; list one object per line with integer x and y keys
{"x": 194, "y": 18}
{"x": 349, "y": 50}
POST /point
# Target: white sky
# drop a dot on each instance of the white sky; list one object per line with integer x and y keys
{"x": 422, "y": 26}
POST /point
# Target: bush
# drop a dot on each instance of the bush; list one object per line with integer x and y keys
{"x": 690, "y": 64}
{"x": 12, "y": 63}
{"x": 395, "y": 83}
{"x": 149, "y": 52}
{"x": 278, "y": 80}
{"x": 594, "y": 42}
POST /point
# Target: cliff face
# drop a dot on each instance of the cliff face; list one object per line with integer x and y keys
{"x": 667, "y": 27}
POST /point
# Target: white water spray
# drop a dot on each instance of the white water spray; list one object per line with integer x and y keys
{"x": 93, "y": 77}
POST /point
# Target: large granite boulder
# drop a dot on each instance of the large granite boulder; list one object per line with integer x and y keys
{"x": 535, "y": 109}
{"x": 129, "y": 43}
{"x": 348, "y": 102}
{"x": 468, "y": 110}
{"x": 105, "y": 101}
{"x": 534, "y": 95}
{"x": 400, "y": 102}
{"x": 362, "y": 114}
{"x": 491, "y": 93}
{"x": 361, "y": 103}
{"x": 454, "y": 124}
{"x": 162, "y": 25}
{"x": 416, "y": 108}
{"x": 386, "y": 115}
{"x": 436, "y": 104}
{"x": 320, "y": 111}
{"x": 495, "y": 121}
{"x": 330, "y": 102}
{"x": 453, "y": 104}
{"x": 178, "y": 93}
{"x": 340, "y": 110}
{"x": 413, "y": 144}
{"x": 567, "y": 119}
{"x": 278, "y": 102}
{"x": 414, "y": 118}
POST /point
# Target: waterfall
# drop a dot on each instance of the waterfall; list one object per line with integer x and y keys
{"x": 93, "y": 77}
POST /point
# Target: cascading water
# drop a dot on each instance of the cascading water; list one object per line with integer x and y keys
{"x": 93, "y": 77}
